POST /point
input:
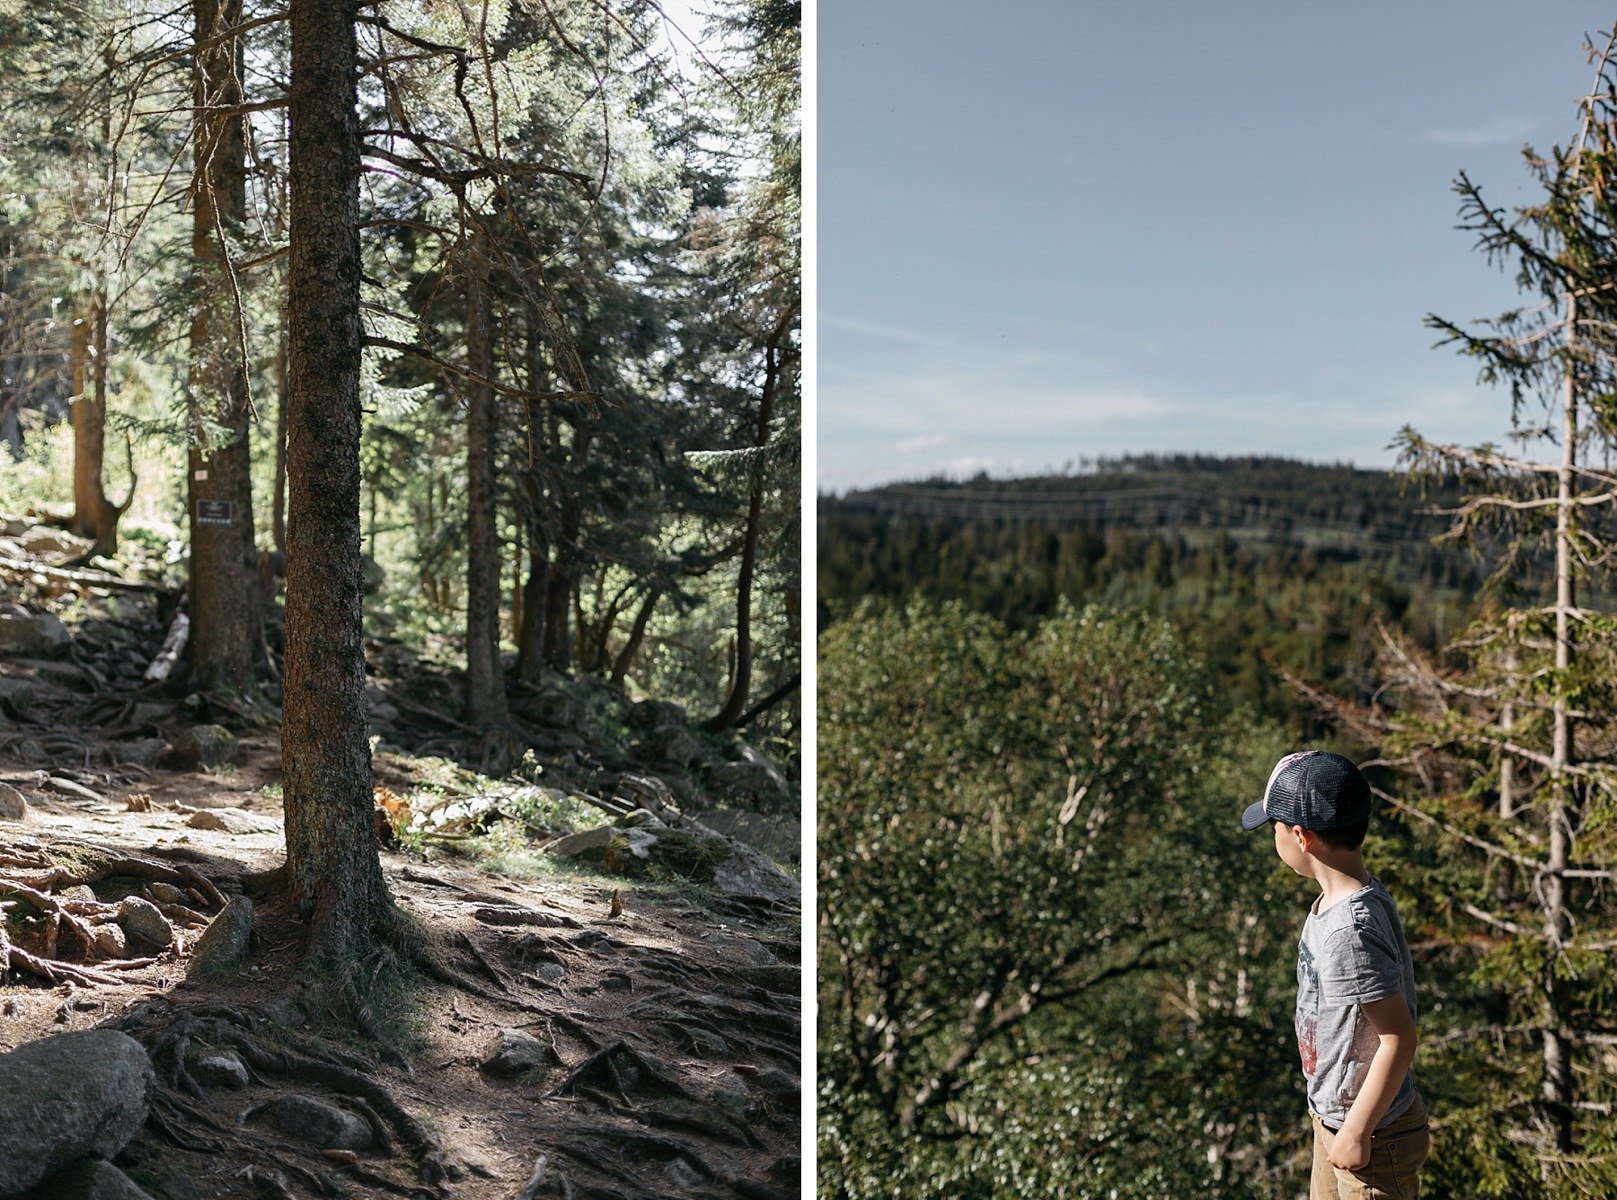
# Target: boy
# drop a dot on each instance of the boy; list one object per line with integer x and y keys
{"x": 1355, "y": 986}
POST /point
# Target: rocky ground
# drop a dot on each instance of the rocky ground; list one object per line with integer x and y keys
{"x": 595, "y": 1030}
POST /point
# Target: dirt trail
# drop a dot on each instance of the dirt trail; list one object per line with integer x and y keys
{"x": 676, "y": 1032}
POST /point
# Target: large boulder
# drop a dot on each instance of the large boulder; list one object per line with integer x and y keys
{"x": 24, "y": 632}
{"x": 69, "y": 1097}
{"x": 94, "y": 1179}
{"x": 202, "y": 746}
{"x": 16, "y": 696}
{"x": 322, "y": 1125}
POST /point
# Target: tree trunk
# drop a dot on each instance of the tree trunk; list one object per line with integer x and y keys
{"x": 485, "y": 682}
{"x": 531, "y": 643}
{"x": 561, "y": 580}
{"x": 530, "y": 634}
{"x": 1557, "y": 1019}
{"x": 735, "y": 703}
{"x": 637, "y": 635}
{"x": 333, "y": 872}
{"x": 94, "y": 516}
{"x": 278, "y": 500}
{"x": 223, "y": 592}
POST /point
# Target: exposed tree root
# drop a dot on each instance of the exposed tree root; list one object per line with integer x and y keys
{"x": 217, "y": 1025}
{"x": 53, "y": 972}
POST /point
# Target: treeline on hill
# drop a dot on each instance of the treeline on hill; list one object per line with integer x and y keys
{"x": 1274, "y": 567}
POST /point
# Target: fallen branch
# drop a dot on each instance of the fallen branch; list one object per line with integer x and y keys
{"x": 173, "y": 647}
{"x": 17, "y": 566}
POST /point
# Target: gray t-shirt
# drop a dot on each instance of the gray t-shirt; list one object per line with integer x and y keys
{"x": 1351, "y": 954}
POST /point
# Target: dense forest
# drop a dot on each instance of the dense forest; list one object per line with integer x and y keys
{"x": 1051, "y": 963}
{"x": 1274, "y": 568}
{"x": 399, "y": 439}
{"x": 523, "y": 341}
{"x": 409, "y": 367}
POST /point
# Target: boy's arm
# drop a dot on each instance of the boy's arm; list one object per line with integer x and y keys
{"x": 1395, "y": 1050}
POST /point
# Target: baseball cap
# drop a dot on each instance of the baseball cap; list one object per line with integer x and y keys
{"x": 1312, "y": 788}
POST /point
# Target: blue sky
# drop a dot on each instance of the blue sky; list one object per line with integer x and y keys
{"x": 1054, "y": 231}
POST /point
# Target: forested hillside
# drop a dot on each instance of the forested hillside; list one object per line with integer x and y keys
{"x": 1270, "y": 566}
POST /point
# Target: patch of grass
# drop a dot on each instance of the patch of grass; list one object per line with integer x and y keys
{"x": 505, "y": 849}
{"x": 554, "y": 811}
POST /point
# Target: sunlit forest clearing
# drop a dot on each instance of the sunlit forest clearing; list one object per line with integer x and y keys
{"x": 1051, "y": 962}
{"x": 399, "y": 597}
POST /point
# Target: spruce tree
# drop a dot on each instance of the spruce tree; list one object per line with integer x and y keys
{"x": 1514, "y": 731}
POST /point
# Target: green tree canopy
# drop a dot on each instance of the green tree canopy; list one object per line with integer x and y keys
{"x": 1034, "y": 945}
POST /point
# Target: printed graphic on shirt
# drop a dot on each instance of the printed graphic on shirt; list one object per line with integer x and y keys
{"x": 1307, "y": 1010}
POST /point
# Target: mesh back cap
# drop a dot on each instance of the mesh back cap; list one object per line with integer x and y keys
{"x": 1312, "y": 788}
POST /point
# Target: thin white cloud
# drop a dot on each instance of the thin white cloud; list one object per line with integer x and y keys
{"x": 1007, "y": 397}
{"x": 890, "y": 333}
{"x": 926, "y": 441}
{"x": 1490, "y": 133}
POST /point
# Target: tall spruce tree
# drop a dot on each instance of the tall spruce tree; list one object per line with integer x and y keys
{"x": 333, "y": 871}
{"x": 1516, "y": 732}
{"x": 225, "y": 606}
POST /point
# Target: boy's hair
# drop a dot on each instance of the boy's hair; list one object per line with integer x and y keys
{"x": 1348, "y": 837}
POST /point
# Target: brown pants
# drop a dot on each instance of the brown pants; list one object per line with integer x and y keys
{"x": 1396, "y": 1153}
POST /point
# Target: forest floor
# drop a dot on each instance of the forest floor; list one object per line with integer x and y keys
{"x": 671, "y": 1022}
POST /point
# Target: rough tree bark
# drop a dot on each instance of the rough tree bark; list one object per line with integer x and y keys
{"x": 223, "y": 594}
{"x": 485, "y": 681}
{"x": 333, "y": 873}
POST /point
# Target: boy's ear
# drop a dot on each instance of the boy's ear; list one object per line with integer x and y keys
{"x": 1307, "y": 839}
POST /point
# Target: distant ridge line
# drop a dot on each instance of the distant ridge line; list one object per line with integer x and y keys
{"x": 1155, "y": 507}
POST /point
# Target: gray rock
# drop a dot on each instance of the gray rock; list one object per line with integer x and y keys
{"x": 749, "y": 875}
{"x": 72, "y": 789}
{"x": 755, "y": 779}
{"x": 778, "y": 835}
{"x": 649, "y": 714}
{"x": 111, "y": 940}
{"x": 547, "y": 707}
{"x": 322, "y": 1125}
{"x": 69, "y": 1097}
{"x": 142, "y": 921}
{"x": 683, "y": 1174}
{"x": 16, "y": 696}
{"x": 204, "y": 746}
{"x": 777, "y": 1082}
{"x": 12, "y": 805}
{"x": 223, "y": 944}
{"x": 23, "y": 632}
{"x": 514, "y": 1051}
{"x": 174, "y": 1186}
{"x": 223, "y": 1070}
{"x": 593, "y": 842}
{"x": 150, "y": 712}
{"x": 780, "y": 979}
{"x": 95, "y": 1180}
{"x": 140, "y": 752}
{"x": 674, "y": 744}
{"x": 234, "y": 821}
